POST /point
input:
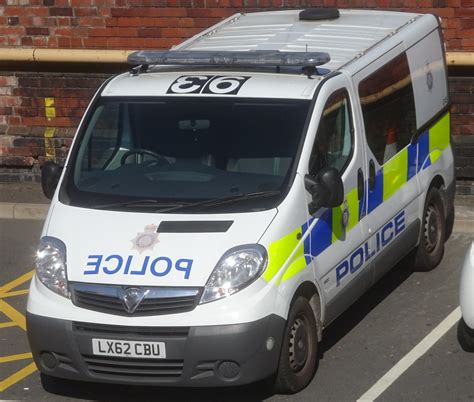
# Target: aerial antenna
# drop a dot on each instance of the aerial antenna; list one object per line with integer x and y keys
{"x": 137, "y": 70}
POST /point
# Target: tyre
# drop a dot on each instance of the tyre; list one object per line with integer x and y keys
{"x": 433, "y": 233}
{"x": 449, "y": 223}
{"x": 299, "y": 352}
{"x": 465, "y": 336}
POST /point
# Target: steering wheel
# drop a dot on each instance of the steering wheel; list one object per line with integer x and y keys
{"x": 141, "y": 151}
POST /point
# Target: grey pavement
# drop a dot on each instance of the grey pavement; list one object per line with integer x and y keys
{"x": 22, "y": 201}
{"x": 22, "y": 192}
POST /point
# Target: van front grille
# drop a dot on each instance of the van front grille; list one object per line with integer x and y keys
{"x": 157, "y": 300}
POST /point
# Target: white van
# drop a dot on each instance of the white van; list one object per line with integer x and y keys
{"x": 466, "y": 301}
{"x": 225, "y": 201}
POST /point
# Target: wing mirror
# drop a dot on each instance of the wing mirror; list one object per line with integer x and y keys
{"x": 50, "y": 174}
{"x": 326, "y": 189}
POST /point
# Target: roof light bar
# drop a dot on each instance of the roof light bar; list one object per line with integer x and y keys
{"x": 267, "y": 58}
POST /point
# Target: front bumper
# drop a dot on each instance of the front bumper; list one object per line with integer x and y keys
{"x": 206, "y": 356}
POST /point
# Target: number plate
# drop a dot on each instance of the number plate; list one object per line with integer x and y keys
{"x": 136, "y": 349}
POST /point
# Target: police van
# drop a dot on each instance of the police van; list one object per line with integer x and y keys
{"x": 224, "y": 201}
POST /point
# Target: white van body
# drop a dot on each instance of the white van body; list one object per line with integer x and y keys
{"x": 123, "y": 259}
{"x": 466, "y": 301}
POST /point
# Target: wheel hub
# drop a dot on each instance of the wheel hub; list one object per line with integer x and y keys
{"x": 298, "y": 344}
{"x": 431, "y": 228}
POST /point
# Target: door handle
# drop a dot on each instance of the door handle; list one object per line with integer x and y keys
{"x": 360, "y": 184}
{"x": 371, "y": 174}
{"x": 345, "y": 215}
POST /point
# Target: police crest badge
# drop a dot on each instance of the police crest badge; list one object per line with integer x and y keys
{"x": 145, "y": 240}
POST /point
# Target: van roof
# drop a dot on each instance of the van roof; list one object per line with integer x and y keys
{"x": 352, "y": 41}
{"x": 344, "y": 38}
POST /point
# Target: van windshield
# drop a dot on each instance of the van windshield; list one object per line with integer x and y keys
{"x": 167, "y": 153}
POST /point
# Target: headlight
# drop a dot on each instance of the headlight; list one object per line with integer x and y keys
{"x": 237, "y": 269}
{"x": 51, "y": 265}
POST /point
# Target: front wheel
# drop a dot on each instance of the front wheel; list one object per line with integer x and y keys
{"x": 299, "y": 352}
{"x": 433, "y": 232}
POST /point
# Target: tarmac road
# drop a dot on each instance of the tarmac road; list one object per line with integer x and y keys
{"x": 357, "y": 351}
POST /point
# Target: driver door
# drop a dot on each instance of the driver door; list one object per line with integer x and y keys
{"x": 337, "y": 234}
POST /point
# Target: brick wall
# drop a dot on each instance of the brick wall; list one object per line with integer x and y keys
{"x": 130, "y": 24}
{"x": 462, "y": 98}
{"x": 39, "y": 110}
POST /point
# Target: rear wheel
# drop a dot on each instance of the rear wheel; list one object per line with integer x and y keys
{"x": 433, "y": 232}
{"x": 299, "y": 352}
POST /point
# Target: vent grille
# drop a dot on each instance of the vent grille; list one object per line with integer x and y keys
{"x": 98, "y": 329}
{"x": 65, "y": 362}
{"x": 134, "y": 367}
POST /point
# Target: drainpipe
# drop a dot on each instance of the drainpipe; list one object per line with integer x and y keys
{"x": 64, "y": 55}
{"x": 120, "y": 56}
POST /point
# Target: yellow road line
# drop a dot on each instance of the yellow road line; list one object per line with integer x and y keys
{"x": 18, "y": 376}
{"x": 13, "y": 314}
{"x": 17, "y": 319}
{"x": 8, "y": 324}
{"x": 14, "y": 293}
{"x": 14, "y": 358}
{"x": 16, "y": 282}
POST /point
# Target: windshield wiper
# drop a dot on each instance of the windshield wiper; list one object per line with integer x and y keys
{"x": 143, "y": 203}
{"x": 224, "y": 200}
{"x": 160, "y": 206}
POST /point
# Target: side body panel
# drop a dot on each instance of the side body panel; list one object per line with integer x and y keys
{"x": 427, "y": 66}
{"x": 435, "y": 153}
{"x": 287, "y": 239}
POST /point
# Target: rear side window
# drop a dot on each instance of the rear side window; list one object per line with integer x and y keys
{"x": 388, "y": 108}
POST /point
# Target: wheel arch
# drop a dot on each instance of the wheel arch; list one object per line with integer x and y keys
{"x": 439, "y": 183}
{"x": 310, "y": 292}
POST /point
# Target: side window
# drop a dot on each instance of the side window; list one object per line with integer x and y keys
{"x": 388, "y": 108}
{"x": 334, "y": 139}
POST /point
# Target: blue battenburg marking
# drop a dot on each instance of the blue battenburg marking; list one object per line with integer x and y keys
{"x": 307, "y": 241}
{"x": 376, "y": 194}
{"x": 427, "y": 163}
{"x": 321, "y": 234}
{"x": 424, "y": 150}
{"x": 362, "y": 206}
{"x": 412, "y": 151}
